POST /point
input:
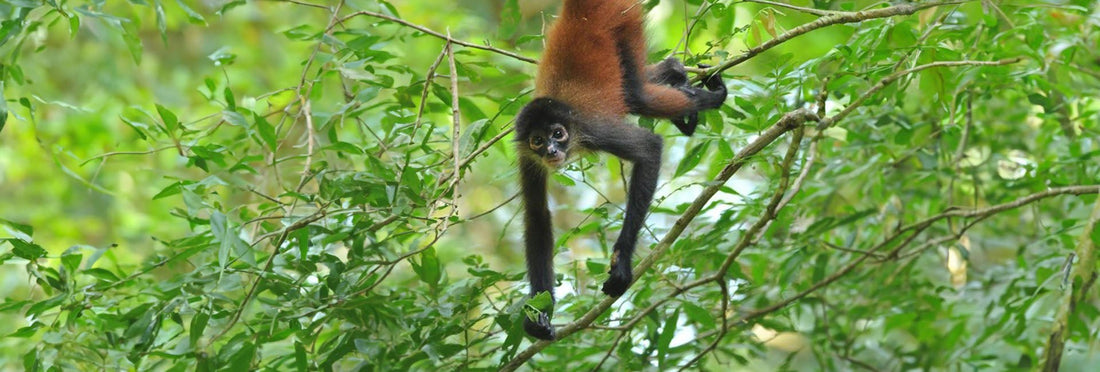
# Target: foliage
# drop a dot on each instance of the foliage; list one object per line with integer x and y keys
{"x": 296, "y": 185}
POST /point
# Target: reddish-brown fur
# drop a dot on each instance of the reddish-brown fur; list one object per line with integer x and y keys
{"x": 581, "y": 63}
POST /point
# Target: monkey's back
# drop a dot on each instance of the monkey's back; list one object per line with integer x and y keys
{"x": 581, "y": 64}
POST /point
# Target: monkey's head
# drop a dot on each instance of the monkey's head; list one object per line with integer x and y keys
{"x": 542, "y": 130}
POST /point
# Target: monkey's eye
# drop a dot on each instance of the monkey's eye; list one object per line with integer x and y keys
{"x": 537, "y": 142}
{"x": 558, "y": 134}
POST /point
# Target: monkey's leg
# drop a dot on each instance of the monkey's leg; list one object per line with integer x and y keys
{"x": 539, "y": 240}
{"x": 681, "y": 103}
{"x": 669, "y": 72}
{"x": 642, "y": 148}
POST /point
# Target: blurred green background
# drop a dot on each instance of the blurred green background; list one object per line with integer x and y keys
{"x": 160, "y": 151}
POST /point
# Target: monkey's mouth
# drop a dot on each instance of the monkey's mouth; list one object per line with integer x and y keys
{"x": 555, "y": 160}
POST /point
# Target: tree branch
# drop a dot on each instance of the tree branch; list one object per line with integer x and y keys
{"x": 829, "y": 20}
{"x": 1075, "y": 289}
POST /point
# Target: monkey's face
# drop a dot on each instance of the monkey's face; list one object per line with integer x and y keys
{"x": 542, "y": 131}
{"x": 551, "y": 144}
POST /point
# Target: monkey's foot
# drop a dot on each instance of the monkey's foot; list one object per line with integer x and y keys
{"x": 619, "y": 281}
{"x": 541, "y": 329}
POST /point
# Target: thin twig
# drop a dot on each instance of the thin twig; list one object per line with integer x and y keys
{"x": 437, "y": 34}
{"x": 307, "y": 112}
{"x": 817, "y": 12}
{"x": 493, "y": 209}
{"x": 110, "y": 154}
{"x": 303, "y": 3}
{"x": 456, "y": 116}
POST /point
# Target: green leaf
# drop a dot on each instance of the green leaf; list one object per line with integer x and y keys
{"x": 540, "y": 301}
{"x": 41, "y": 306}
{"x": 301, "y": 33}
{"x": 429, "y": 268}
{"x": 596, "y": 266}
{"x": 222, "y": 57}
{"x": 171, "y": 123}
{"x": 3, "y": 105}
{"x": 665, "y": 339}
{"x": 230, "y": 100}
{"x": 26, "y": 230}
{"x": 509, "y": 19}
{"x": 26, "y": 332}
{"x": 345, "y": 147}
{"x": 821, "y": 267}
{"x": 192, "y": 16}
{"x": 235, "y": 118}
{"x": 131, "y": 36}
{"x": 10, "y": 304}
{"x": 745, "y": 105}
{"x": 162, "y": 26}
{"x": 170, "y": 190}
{"x": 699, "y": 315}
{"x": 266, "y": 131}
{"x": 219, "y": 226}
{"x": 301, "y": 360}
{"x": 692, "y": 158}
{"x": 140, "y": 128}
{"x": 26, "y": 250}
{"x": 70, "y": 260}
{"x": 101, "y": 274}
{"x": 1038, "y": 99}
{"x": 230, "y": 5}
{"x": 563, "y": 179}
{"x": 198, "y": 326}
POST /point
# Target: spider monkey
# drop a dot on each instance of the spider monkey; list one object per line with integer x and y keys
{"x": 591, "y": 76}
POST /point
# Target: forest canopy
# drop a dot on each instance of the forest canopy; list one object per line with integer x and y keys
{"x": 332, "y": 185}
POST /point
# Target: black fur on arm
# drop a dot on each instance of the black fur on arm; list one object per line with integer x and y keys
{"x": 642, "y": 148}
{"x": 539, "y": 241}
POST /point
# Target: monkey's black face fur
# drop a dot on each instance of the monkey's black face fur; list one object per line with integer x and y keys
{"x": 543, "y": 130}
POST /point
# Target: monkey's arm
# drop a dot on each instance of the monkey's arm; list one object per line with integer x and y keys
{"x": 539, "y": 241}
{"x": 642, "y": 148}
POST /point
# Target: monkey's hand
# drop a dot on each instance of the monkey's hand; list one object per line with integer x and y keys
{"x": 619, "y": 281}
{"x": 539, "y": 328}
{"x": 715, "y": 87}
{"x": 537, "y": 312}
